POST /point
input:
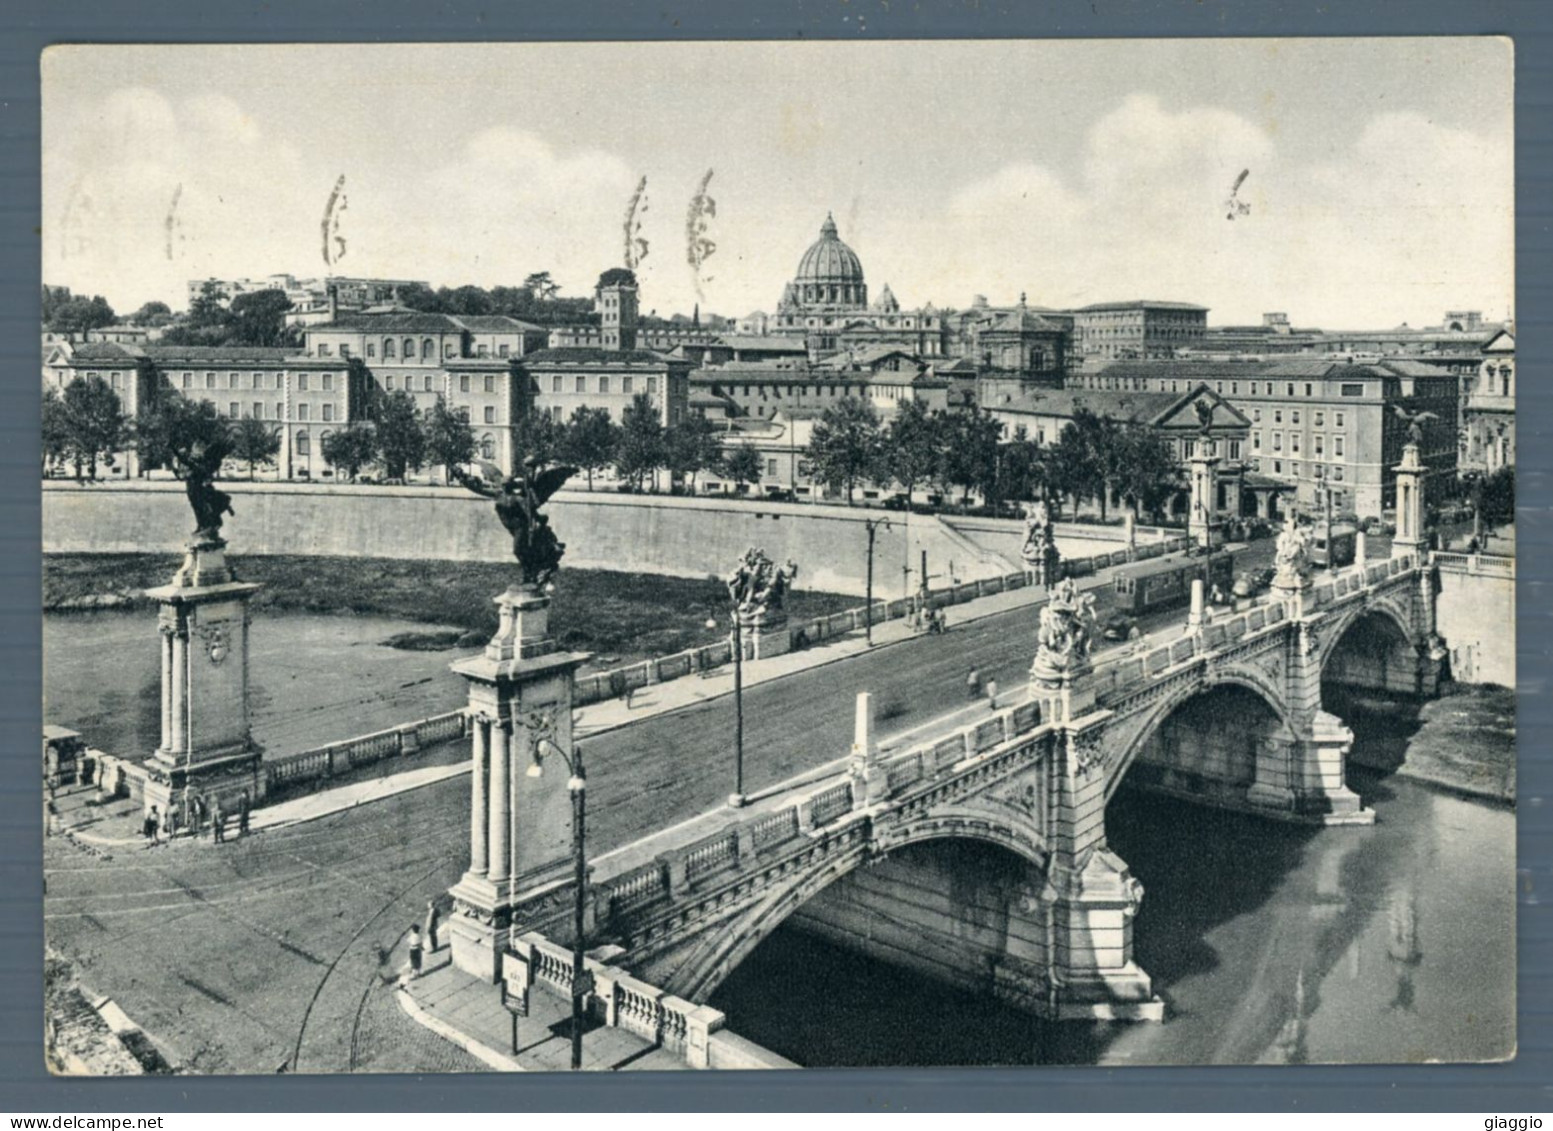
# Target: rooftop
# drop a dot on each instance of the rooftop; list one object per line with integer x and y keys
{"x": 1140, "y": 304}
{"x": 592, "y": 355}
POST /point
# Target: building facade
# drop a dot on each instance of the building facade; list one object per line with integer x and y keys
{"x": 1488, "y": 409}
{"x": 1137, "y": 329}
{"x": 1318, "y": 423}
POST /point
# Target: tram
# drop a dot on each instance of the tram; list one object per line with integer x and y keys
{"x": 1160, "y": 584}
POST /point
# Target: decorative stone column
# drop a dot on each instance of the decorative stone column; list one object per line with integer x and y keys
{"x": 1204, "y": 527}
{"x": 207, "y": 748}
{"x": 870, "y": 779}
{"x": 1410, "y": 536}
{"x": 520, "y": 701}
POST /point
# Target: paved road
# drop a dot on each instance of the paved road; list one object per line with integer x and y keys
{"x": 272, "y": 951}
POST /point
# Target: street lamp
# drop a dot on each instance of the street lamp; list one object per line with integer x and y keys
{"x": 736, "y": 798}
{"x": 872, "y": 526}
{"x": 577, "y": 784}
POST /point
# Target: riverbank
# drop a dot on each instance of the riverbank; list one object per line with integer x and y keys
{"x": 1462, "y": 742}
{"x": 620, "y": 617}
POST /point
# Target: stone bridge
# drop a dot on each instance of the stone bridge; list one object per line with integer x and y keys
{"x": 974, "y": 849}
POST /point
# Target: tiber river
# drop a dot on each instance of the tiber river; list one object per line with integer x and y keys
{"x": 1270, "y": 943}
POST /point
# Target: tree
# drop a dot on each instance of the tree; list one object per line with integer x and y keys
{"x": 56, "y": 430}
{"x": 1497, "y": 498}
{"x": 589, "y": 440}
{"x": 691, "y": 447}
{"x": 94, "y": 422}
{"x": 911, "y": 446}
{"x": 254, "y": 442}
{"x": 538, "y": 437}
{"x": 401, "y": 439}
{"x": 350, "y": 449}
{"x": 207, "y": 308}
{"x": 1078, "y": 467}
{"x": 968, "y": 454}
{"x": 418, "y": 296}
{"x": 742, "y": 465}
{"x": 639, "y": 451}
{"x": 844, "y": 446}
{"x": 80, "y": 314}
{"x": 465, "y": 300}
{"x": 1150, "y": 472}
{"x": 450, "y": 441}
{"x": 176, "y": 433}
{"x": 258, "y": 319}
{"x": 152, "y": 313}
{"x": 541, "y": 286}
{"x": 1022, "y": 470}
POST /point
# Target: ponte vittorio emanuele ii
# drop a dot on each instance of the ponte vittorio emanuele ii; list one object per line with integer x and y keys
{"x": 973, "y": 847}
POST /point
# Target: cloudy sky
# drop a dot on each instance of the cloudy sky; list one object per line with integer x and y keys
{"x": 1378, "y": 187}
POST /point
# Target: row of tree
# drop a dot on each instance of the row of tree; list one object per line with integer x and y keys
{"x": 965, "y": 453}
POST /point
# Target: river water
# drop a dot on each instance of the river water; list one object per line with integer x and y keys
{"x": 313, "y": 678}
{"x": 1269, "y": 943}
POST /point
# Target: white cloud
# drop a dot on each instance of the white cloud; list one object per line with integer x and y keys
{"x": 1407, "y": 220}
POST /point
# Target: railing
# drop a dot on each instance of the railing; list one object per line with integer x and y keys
{"x": 710, "y": 855}
{"x": 774, "y": 828}
{"x": 832, "y": 803}
{"x": 325, "y": 762}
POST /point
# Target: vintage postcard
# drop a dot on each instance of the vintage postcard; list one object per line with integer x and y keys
{"x": 765, "y": 555}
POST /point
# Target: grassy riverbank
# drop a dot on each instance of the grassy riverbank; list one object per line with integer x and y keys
{"x": 625, "y": 616}
{"x": 1463, "y": 741}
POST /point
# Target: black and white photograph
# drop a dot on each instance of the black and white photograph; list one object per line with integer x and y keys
{"x": 738, "y": 555}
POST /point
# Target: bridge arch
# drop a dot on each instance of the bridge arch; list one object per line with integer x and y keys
{"x": 700, "y": 970}
{"x": 1374, "y": 647}
{"x": 1250, "y": 684}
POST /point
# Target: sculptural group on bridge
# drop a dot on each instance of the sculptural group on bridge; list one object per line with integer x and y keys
{"x": 758, "y": 587}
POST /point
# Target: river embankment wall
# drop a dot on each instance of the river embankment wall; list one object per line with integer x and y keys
{"x": 681, "y": 537}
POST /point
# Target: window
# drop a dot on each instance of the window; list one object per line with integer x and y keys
{"x": 1337, "y": 473}
{"x": 1291, "y": 388}
{"x": 1234, "y": 388}
{"x": 1337, "y": 446}
{"x": 487, "y": 447}
{"x": 555, "y": 383}
{"x": 409, "y": 349}
{"x": 771, "y": 468}
{"x": 1277, "y": 467}
{"x": 258, "y": 410}
{"x": 1277, "y": 416}
{"x": 1321, "y": 419}
{"x": 1321, "y": 445}
{"x": 302, "y": 448}
{"x": 280, "y": 411}
{"x": 1308, "y": 389}
{"x": 1277, "y": 441}
{"x": 328, "y": 412}
{"x": 234, "y": 410}
{"x": 1256, "y": 415}
{"x": 388, "y": 382}
{"x": 1256, "y": 441}
{"x": 581, "y": 384}
{"x": 388, "y": 347}
{"x": 258, "y": 381}
{"x": 328, "y": 382}
{"x": 428, "y": 349}
{"x": 625, "y": 385}
{"x": 1294, "y": 416}
{"x": 210, "y": 380}
{"x": 490, "y": 414}
{"x": 426, "y": 383}
{"x": 323, "y": 349}
{"x": 302, "y": 412}
{"x": 301, "y": 382}
{"x": 1338, "y": 419}
{"x": 1219, "y": 387}
{"x": 501, "y": 351}
{"x": 188, "y": 380}
{"x": 371, "y": 350}
{"x": 604, "y": 383}
{"x": 490, "y": 384}
{"x": 463, "y": 382}
{"x": 1294, "y": 441}
{"x": 1234, "y": 449}
{"x": 1351, "y": 391}
{"x": 447, "y": 349}
{"x": 482, "y": 351}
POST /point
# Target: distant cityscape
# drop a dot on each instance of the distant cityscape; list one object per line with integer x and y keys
{"x": 1311, "y": 412}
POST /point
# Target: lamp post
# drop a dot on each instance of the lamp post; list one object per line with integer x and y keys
{"x": 736, "y": 798}
{"x": 872, "y": 525}
{"x": 577, "y": 785}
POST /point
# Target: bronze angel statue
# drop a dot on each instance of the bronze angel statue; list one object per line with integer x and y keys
{"x": 1414, "y": 422}
{"x": 518, "y": 499}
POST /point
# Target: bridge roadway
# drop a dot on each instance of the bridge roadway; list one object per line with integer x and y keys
{"x": 273, "y": 950}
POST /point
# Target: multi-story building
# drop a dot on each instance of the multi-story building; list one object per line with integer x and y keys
{"x": 1488, "y": 408}
{"x": 1138, "y": 329}
{"x": 1317, "y": 423}
{"x": 884, "y": 378}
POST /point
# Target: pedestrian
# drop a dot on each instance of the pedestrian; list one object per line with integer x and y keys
{"x": 218, "y": 824}
{"x": 973, "y": 685}
{"x": 432, "y": 922}
{"x": 242, "y": 814}
{"x": 199, "y": 816}
{"x": 415, "y": 951}
{"x": 148, "y": 827}
{"x": 169, "y": 823}
{"x": 992, "y": 693}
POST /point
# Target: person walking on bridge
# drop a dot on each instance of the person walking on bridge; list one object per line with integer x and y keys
{"x": 973, "y": 685}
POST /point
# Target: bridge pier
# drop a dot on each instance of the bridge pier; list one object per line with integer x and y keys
{"x": 520, "y": 705}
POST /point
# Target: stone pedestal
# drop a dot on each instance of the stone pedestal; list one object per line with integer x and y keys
{"x": 764, "y": 634}
{"x": 1092, "y": 974}
{"x": 520, "y": 708}
{"x": 870, "y": 779}
{"x": 1410, "y": 536}
{"x": 1065, "y": 694}
{"x": 1204, "y": 528}
{"x": 207, "y": 750}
